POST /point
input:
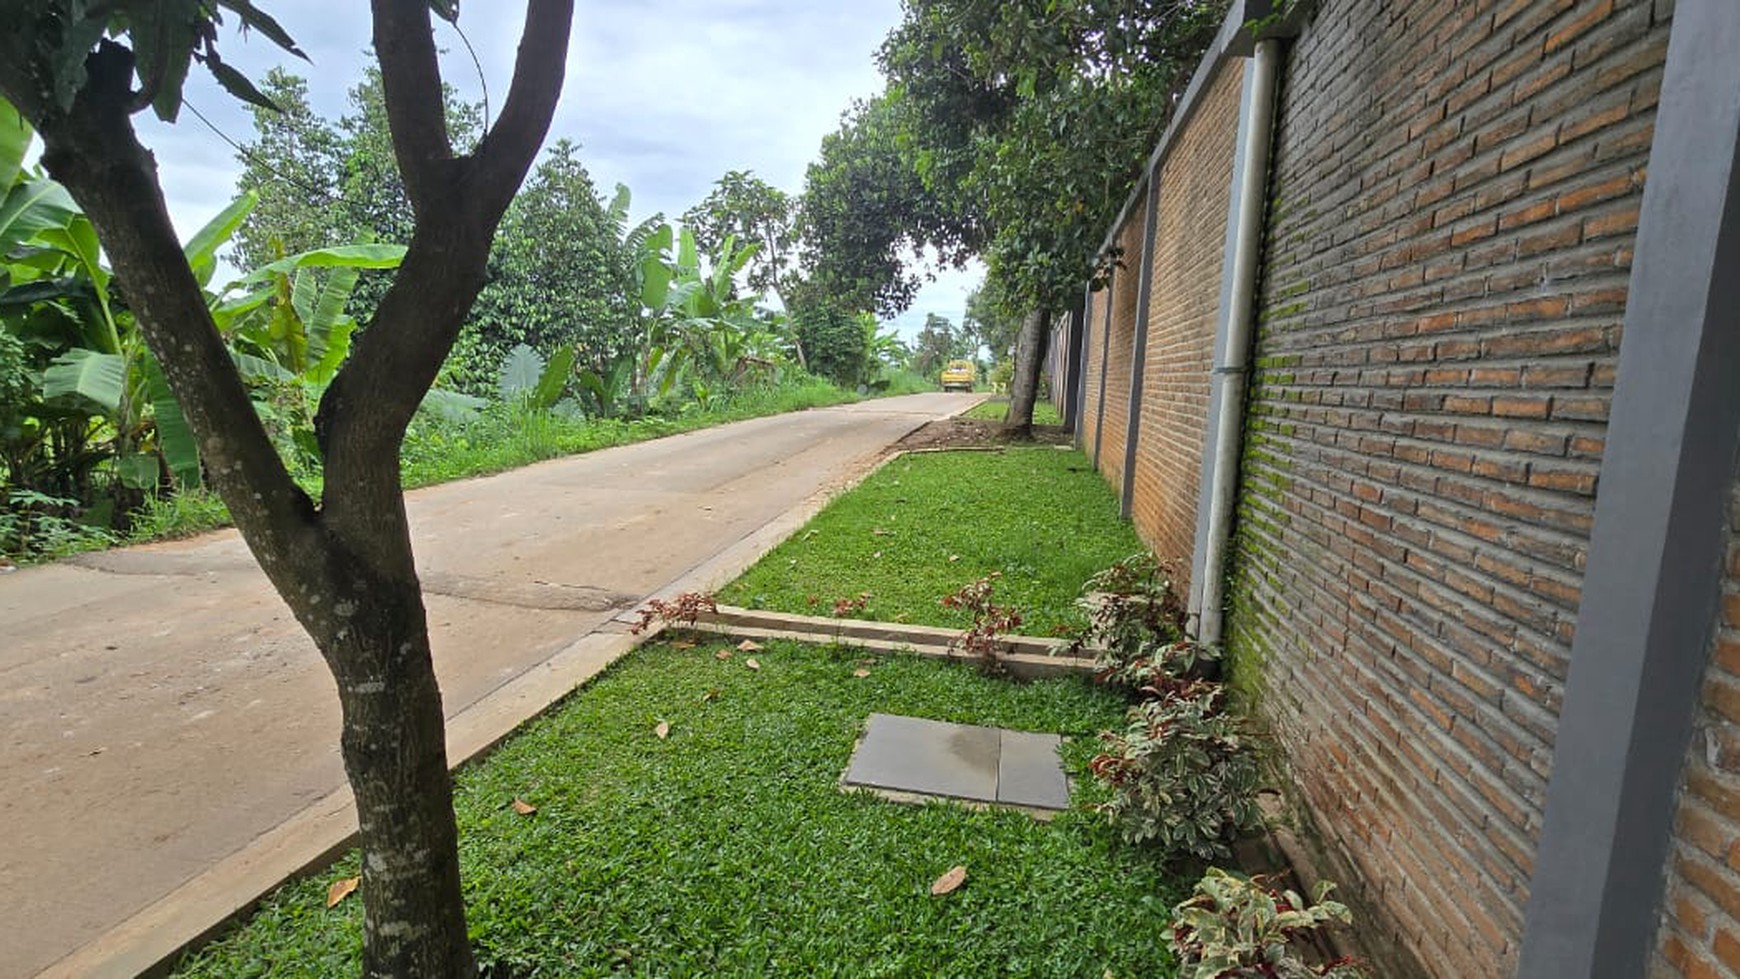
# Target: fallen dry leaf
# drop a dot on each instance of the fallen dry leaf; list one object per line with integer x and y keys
{"x": 953, "y": 558}
{"x": 663, "y": 730}
{"x": 752, "y": 664}
{"x": 524, "y": 808}
{"x": 710, "y": 696}
{"x": 877, "y": 554}
{"x": 950, "y": 882}
{"x": 682, "y": 644}
{"x": 749, "y": 645}
{"x": 860, "y": 674}
{"x": 722, "y": 654}
{"x": 342, "y": 889}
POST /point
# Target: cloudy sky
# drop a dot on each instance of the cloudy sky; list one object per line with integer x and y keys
{"x": 663, "y": 95}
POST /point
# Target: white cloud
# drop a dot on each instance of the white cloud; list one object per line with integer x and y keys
{"x": 663, "y": 95}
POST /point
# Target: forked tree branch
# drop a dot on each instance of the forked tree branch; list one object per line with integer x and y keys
{"x": 507, "y": 150}
{"x": 364, "y": 412}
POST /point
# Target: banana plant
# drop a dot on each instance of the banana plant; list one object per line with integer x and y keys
{"x": 696, "y": 319}
{"x": 287, "y": 331}
{"x": 94, "y": 395}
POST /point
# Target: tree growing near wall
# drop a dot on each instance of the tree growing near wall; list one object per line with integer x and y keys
{"x": 79, "y": 72}
{"x": 1030, "y": 121}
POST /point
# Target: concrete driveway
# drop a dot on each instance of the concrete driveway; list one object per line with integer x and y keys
{"x": 161, "y": 712}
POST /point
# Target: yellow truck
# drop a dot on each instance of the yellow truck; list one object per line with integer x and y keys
{"x": 958, "y": 375}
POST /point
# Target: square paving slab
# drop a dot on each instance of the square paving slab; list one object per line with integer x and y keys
{"x": 959, "y": 761}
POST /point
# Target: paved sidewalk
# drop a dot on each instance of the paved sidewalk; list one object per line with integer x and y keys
{"x": 162, "y": 714}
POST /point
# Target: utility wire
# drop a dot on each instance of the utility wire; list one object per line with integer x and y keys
{"x": 326, "y": 196}
{"x": 476, "y": 65}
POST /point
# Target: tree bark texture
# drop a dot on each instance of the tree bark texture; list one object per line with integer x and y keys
{"x": 1029, "y": 358}
{"x": 345, "y": 567}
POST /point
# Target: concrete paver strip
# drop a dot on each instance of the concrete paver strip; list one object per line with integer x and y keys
{"x": 910, "y": 759}
{"x": 161, "y": 710}
{"x": 1029, "y": 773}
{"x": 912, "y": 754}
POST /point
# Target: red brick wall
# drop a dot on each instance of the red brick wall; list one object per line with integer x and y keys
{"x": 1093, "y": 361}
{"x": 1118, "y": 375}
{"x": 1183, "y": 312}
{"x": 1454, "y": 195}
{"x": 1701, "y": 908}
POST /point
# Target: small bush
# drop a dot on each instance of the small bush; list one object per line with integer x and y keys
{"x": 1182, "y": 774}
{"x": 1137, "y": 622}
{"x": 983, "y": 639}
{"x": 1237, "y": 927}
{"x": 35, "y": 526}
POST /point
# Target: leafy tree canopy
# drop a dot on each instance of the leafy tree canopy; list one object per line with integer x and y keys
{"x": 1032, "y": 119}
{"x": 756, "y": 212}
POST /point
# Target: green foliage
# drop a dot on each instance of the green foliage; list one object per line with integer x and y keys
{"x": 700, "y": 333}
{"x": 35, "y": 525}
{"x": 997, "y": 409}
{"x": 1181, "y": 774}
{"x": 865, "y": 209}
{"x": 939, "y": 342}
{"x": 289, "y": 332}
{"x": 727, "y": 848}
{"x": 322, "y": 182}
{"x": 183, "y": 514}
{"x": 833, "y": 340}
{"x": 926, "y": 524}
{"x": 462, "y": 442}
{"x": 48, "y": 42}
{"x": 1136, "y": 624}
{"x": 744, "y": 206}
{"x": 995, "y": 320}
{"x": 1237, "y": 927}
{"x": 561, "y": 276}
{"x": 1012, "y": 131}
{"x": 902, "y": 381}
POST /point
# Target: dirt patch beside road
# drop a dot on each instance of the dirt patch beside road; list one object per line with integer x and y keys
{"x": 973, "y": 433}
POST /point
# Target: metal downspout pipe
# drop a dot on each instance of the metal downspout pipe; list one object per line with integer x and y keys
{"x": 1233, "y": 373}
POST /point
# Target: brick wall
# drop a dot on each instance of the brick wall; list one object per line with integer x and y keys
{"x": 1455, "y": 188}
{"x": 1115, "y": 430}
{"x": 1183, "y": 312}
{"x": 1093, "y": 358}
{"x": 1701, "y": 908}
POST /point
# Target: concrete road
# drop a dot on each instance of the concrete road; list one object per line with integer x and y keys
{"x": 160, "y": 709}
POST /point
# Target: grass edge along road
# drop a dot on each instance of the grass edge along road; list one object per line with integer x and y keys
{"x": 725, "y": 847}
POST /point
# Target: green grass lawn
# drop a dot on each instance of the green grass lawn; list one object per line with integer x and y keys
{"x": 727, "y": 849}
{"x": 994, "y": 410}
{"x": 929, "y": 523}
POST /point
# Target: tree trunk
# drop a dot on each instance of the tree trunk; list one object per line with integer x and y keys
{"x": 396, "y": 758}
{"x": 345, "y": 567}
{"x": 1029, "y": 357}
